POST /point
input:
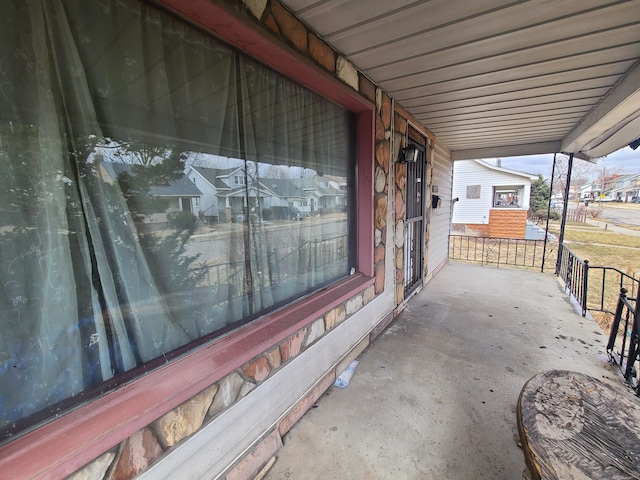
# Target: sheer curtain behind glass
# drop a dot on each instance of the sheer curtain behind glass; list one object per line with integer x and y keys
{"x": 103, "y": 107}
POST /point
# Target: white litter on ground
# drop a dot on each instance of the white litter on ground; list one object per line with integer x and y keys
{"x": 345, "y": 377}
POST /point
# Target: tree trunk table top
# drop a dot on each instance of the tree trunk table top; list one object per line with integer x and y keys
{"x": 573, "y": 426}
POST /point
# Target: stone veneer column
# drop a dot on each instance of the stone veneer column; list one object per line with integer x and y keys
{"x": 401, "y": 126}
{"x": 381, "y": 176}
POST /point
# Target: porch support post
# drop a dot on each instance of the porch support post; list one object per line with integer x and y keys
{"x": 564, "y": 211}
{"x": 546, "y": 229}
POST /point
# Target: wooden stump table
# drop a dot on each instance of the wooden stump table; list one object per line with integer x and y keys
{"x": 574, "y": 427}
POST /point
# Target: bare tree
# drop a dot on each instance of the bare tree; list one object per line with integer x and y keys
{"x": 276, "y": 171}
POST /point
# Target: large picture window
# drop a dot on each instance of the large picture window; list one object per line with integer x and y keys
{"x": 159, "y": 189}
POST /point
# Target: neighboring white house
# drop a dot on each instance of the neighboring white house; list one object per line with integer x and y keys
{"x": 322, "y": 193}
{"x": 586, "y": 192}
{"x": 181, "y": 194}
{"x": 224, "y": 197}
{"x": 624, "y": 188}
{"x": 619, "y": 188}
{"x": 287, "y": 194}
{"x": 489, "y": 199}
{"x": 210, "y": 182}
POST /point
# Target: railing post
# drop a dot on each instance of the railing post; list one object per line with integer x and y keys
{"x": 559, "y": 259}
{"x": 615, "y": 325}
{"x": 546, "y": 228}
{"x": 568, "y": 276}
{"x": 636, "y": 330}
{"x": 585, "y": 284}
{"x": 633, "y": 348}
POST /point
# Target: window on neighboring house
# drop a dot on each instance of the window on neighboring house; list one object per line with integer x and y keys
{"x": 506, "y": 197}
{"x": 92, "y": 295}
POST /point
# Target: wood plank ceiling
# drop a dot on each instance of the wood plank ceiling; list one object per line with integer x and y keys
{"x": 497, "y": 77}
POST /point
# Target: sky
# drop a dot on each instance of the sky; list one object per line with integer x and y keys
{"x": 624, "y": 160}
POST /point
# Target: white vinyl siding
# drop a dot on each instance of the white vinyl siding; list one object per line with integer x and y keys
{"x": 472, "y": 173}
{"x": 209, "y": 200}
{"x": 440, "y": 218}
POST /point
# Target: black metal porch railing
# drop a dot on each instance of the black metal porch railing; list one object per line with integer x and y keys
{"x": 594, "y": 287}
{"x": 603, "y": 282}
{"x": 574, "y": 272}
{"x": 622, "y": 347}
{"x": 515, "y": 252}
{"x": 283, "y": 265}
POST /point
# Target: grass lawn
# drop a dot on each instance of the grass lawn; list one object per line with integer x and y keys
{"x": 603, "y": 248}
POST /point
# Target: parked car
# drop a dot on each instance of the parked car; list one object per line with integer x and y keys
{"x": 285, "y": 213}
{"x": 296, "y": 214}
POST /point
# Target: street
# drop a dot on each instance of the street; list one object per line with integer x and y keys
{"x": 212, "y": 247}
{"x": 619, "y": 214}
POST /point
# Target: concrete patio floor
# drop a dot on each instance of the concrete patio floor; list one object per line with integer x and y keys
{"x": 434, "y": 397}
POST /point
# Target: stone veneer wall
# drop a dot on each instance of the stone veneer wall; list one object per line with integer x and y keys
{"x": 381, "y": 178}
{"x": 400, "y": 175}
{"x": 136, "y": 453}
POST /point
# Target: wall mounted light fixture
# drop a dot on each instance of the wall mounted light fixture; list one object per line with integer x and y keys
{"x": 408, "y": 154}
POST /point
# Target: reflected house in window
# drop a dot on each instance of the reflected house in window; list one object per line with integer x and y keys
{"x": 325, "y": 193}
{"x": 111, "y": 327}
{"x": 224, "y": 196}
{"x": 172, "y": 195}
{"x": 492, "y": 201}
{"x": 288, "y": 202}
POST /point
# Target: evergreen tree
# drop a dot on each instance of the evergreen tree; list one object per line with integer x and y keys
{"x": 540, "y": 193}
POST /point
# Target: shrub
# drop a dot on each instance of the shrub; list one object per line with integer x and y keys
{"x": 594, "y": 212}
{"x": 267, "y": 214}
{"x": 182, "y": 220}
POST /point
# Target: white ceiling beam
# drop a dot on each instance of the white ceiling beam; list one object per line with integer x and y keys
{"x": 506, "y": 151}
{"x": 620, "y": 103}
